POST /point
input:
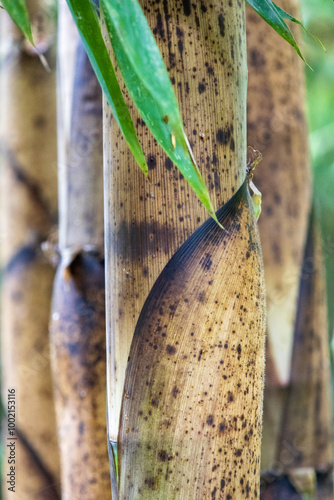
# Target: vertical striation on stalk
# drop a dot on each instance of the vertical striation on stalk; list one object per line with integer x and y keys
{"x": 78, "y": 306}
{"x": 148, "y": 221}
{"x": 276, "y": 126}
{"x": 28, "y": 215}
{"x": 203, "y": 46}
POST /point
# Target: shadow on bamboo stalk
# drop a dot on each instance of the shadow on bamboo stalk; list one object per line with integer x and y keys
{"x": 78, "y": 306}
{"x": 28, "y": 214}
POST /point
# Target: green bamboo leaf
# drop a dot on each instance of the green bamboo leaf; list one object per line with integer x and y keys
{"x": 87, "y": 23}
{"x": 150, "y": 88}
{"x": 17, "y": 10}
{"x": 294, "y": 20}
{"x": 274, "y": 16}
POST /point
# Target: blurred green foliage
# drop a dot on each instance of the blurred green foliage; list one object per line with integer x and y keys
{"x": 319, "y": 19}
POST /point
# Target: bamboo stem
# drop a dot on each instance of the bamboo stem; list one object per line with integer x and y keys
{"x": 78, "y": 308}
{"x": 146, "y": 222}
{"x": 277, "y": 127}
{"x": 204, "y": 50}
{"x": 28, "y": 214}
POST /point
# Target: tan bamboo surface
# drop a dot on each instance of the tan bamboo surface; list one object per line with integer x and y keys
{"x": 191, "y": 416}
{"x": 276, "y": 126}
{"x": 305, "y": 451}
{"x": 78, "y": 306}
{"x": 203, "y": 46}
{"x": 306, "y": 433}
{"x": 28, "y": 216}
{"x": 205, "y": 54}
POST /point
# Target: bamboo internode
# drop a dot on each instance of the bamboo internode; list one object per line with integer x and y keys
{"x": 28, "y": 215}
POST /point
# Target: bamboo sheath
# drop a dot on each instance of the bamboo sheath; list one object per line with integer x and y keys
{"x": 78, "y": 306}
{"x": 276, "y": 126}
{"x": 28, "y": 214}
{"x": 203, "y": 46}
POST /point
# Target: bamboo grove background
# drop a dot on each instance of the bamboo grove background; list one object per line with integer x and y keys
{"x": 296, "y": 452}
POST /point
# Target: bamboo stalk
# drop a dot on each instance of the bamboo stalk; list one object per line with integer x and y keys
{"x": 306, "y": 440}
{"x": 277, "y": 127}
{"x": 28, "y": 214}
{"x": 296, "y": 451}
{"x": 146, "y": 222}
{"x": 78, "y": 307}
{"x": 305, "y": 451}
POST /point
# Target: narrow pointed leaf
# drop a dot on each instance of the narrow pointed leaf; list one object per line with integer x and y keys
{"x": 17, "y": 10}
{"x": 150, "y": 88}
{"x": 85, "y": 18}
{"x": 285, "y": 15}
{"x": 274, "y": 16}
{"x": 191, "y": 414}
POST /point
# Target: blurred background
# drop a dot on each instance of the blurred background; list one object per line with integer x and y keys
{"x": 318, "y": 17}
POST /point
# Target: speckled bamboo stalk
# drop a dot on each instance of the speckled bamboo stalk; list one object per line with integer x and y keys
{"x": 305, "y": 450}
{"x": 78, "y": 308}
{"x": 28, "y": 215}
{"x": 277, "y": 127}
{"x": 203, "y": 46}
{"x": 148, "y": 221}
{"x": 306, "y": 433}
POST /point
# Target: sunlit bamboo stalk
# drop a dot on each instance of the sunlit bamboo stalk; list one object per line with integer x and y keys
{"x": 28, "y": 216}
{"x": 78, "y": 308}
{"x": 146, "y": 222}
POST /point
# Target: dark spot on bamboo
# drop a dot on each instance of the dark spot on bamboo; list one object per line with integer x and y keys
{"x": 152, "y": 162}
{"x": 221, "y": 23}
{"x": 81, "y": 428}
{"x": 175, "y": 391}
{"x": 180, "y": 47}
{"x": 186, "y": 7}
{"x": 213, "y": 493}
{"x": 230, "y": 396}
{"x": 165, "y": 119}
{"x": 223, "y": 136}
{"x": 210, "y": 419}
{"x": 222, "y": 484}
{"x": 168, "y": 164}
{"x": 39, "y": 121}
{"x": 238, "y": 453}
{"x": 256, "y": 58}
{"x": 201, "y": 88}
{"x": 145, "y": 271}
{"x": 207, "y": 262}
{"x": 159, "y": 29}
{"x": 151, "y": 483}
{"x": 222, "y": 427}
{"x": 170, "y": 349}
{"x": 162, "y": 455}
